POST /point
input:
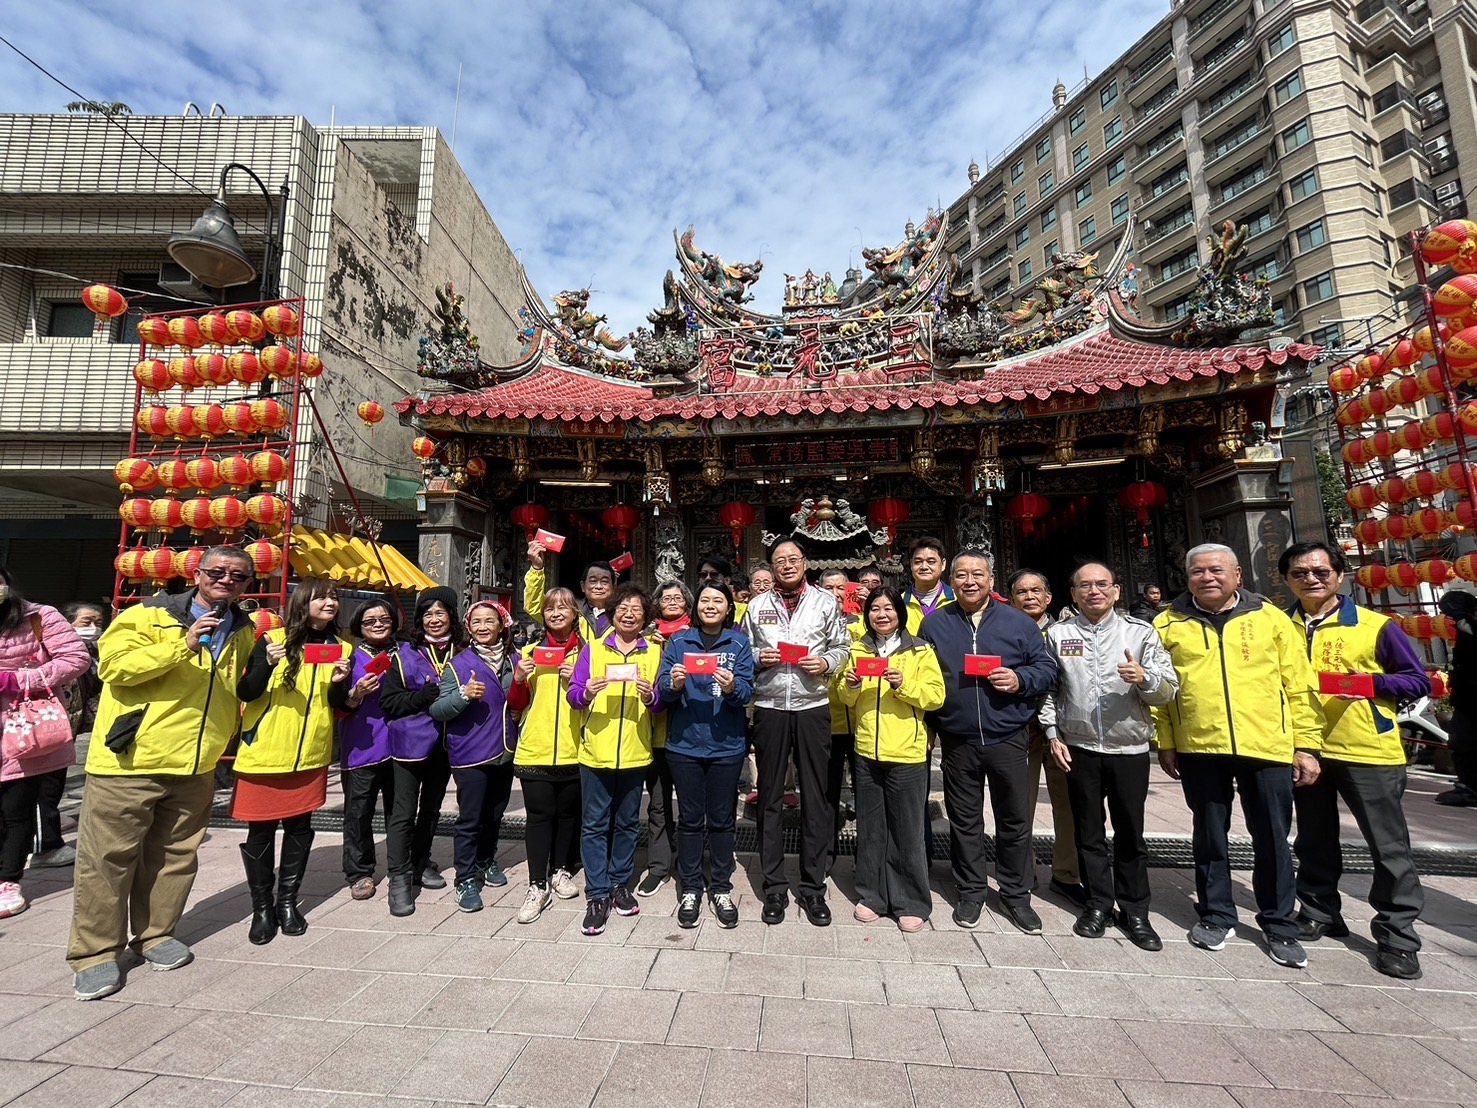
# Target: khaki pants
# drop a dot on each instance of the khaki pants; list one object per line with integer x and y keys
{"x": 1064, "y": 850}
{"x": 137, "y": 843}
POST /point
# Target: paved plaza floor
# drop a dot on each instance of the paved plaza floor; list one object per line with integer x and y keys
{"x": 449, "y": 1008}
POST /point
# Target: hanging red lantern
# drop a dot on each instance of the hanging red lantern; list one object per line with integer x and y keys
{"x": 183, "y": 372}
{"x": 1373, "y": 577}
{"x": 246, "y": 368}
{"x": 1468, "y": 416}
{"x": 174, "y": 475}
{"x": 1362, "y": 497}
{"x": 239, "y": 418}
{"x": 217, "y": 328}
{"x": 309, "y": 365}
{"x": 158, "y": 564}
{"x": 888, "y": 513}
{"x": 530, "y": 517}
{"x": 235, "y": 471}
{"x": 1392, "y": 491}
{"x": 180, "y": 420}
{"x": 476, "y": 466}
{"x": 228, "y": 513}
{"x": 371, "y": 412}
{"x": 278, "y": 361}
{"x": 1355, "y": 452}
{"x": 246, "y": 326}
{"x": 128, "y": 564}
{"x": 1403, "y": 575}
{"x": 270, "y": 415}
{"x": 167, "y": 515}
{"x": 204, "y": 473}
{"x": 737, "y": 517}
{"x": 266, "y": 558}
{"x": 213, "y": 369}
{"x": 424, "y": 447}
{"x": 1370, "y": 532}
{"x": 281, "y": 321}
{"x": 155, "y": 331}
{"x": 1454, "y": 476}
{"x": 1396, "y": 527}
{"x": 1430, "y": 381}
{"x": 1434, "y": 571}
{"x": 622, "y": 519}
{"x": 135, "y": 475}
{"x": 1453, "y": 300}
{"x": 1351, "y": 413}
{"x": 268, "y": 467}
{"x": 1447, "y": 243}
{"x": 1428, "y": 522}
{"x": 266, "y": 510}
{"x": 1026, "y": 509}
{"x": 1141, "y": 498}
{"x": 105, "y": 301}
{"x": 187, "y": 562}
{"x": 1465, "y": 567}
{"x": 185, "y": 331}
{"x": 210, "y": 421}
{"x": 195, "y": 513}
{"x": 153, "y": 422}
{"x": 1425, "y": 339}
{"x": 1402, "y": 391}
{"x": 1411, "y": 437}
{"x": 1344, "y": 379}
{"x": 1371, "y": 367}
{"x": 264, "y": 620}
{"x": 1402, "y": 354}
{"x": 153, "y": 375}
{"x": 1423, "y": 484}
{"x": 137, "y": 512}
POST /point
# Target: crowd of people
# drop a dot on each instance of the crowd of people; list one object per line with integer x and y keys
{"x": 701, "y": 698}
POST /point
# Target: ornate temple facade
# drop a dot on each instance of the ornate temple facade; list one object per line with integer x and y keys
{"x": 861, "y": 415}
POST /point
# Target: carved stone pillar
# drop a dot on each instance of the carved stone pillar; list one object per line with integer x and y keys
{"x": 1243, "y": 505}
{"x": 453, "y": 539}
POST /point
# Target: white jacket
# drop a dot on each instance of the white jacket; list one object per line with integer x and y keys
{"x": 1091, "y": 706}
{"x": 817, "y": 624}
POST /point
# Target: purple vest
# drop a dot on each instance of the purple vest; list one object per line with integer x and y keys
{"x": 480, "y": 734}
{"x": 364, "y": 734}
{"x": 413, "y": 738}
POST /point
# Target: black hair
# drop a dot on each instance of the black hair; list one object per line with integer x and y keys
{"x": 927, "y": 542}
{"x": 13, "y": 608}
{"x": 295, "y": 620}
{"x": 1015, "y": 579}
{"x": 725, "y": 592}
{"x": 788, "y": 540}
{"x": 871, "y": 569}
{"x": 832, "y": 573}
{"x": 604, "y": 567}
{"x": 356, "y": 625}
{"x": 71, "y": 611}
{"x": 886, "y": 592}
{"x": 1303, "y": 549}
{"x": 718, "y": 562}
{"x": 448, "y": 600}
{"x": 626, "y": 592}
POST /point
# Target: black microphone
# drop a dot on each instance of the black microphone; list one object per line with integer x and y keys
{"x": 219, "y": 611}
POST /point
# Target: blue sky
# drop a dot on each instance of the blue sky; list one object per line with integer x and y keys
{"x": 793, "y": 132}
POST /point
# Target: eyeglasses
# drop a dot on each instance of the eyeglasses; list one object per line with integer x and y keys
{"x": 1094, "y": 586}
{"x": 229, "y": 576}
{"x": 376, "y": 621}
{"x": 779, "y": 563}
{"x": 1321, "y": 573}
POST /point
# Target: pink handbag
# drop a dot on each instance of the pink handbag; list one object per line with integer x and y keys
{"x": 33, "y": 724}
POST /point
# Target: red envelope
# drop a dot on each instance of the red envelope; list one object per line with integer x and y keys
{"x": 792, "y": 652}
{"x": 622, "y": 562}
{"x": 323, "y": 653}
{"x": 700, "y": 663}
{"x": 1347, "y": 684}
{"x": 980, "y": 665}
{"x": 548, "y": 656}
{"x": 871, "y": 667}
{"x": 378, "y": 664}
{"x": 623, "y": 671}
{"x": 850, "y": 604}
{"x": 669, "y": 627}
{"x": 549, "y": 540}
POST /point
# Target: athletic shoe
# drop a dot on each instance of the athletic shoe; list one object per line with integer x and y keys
{"x": 61, "y": 856}
{"x": 623, "y": 902}
{"x": 534, "y": 903}
{"x": 563, "y": 885}
{"x": 967, "y": 913}
{"x": 651, "y": 883}
{"x": 1311, "y": 930}
{"x": 689, "y": 908}
{"x": 1286, "y": 952}
{"x": 492, "y": 873}
{"x": 1403, "y": 964}
{"x": 430, "y": 877}
{"x": 469, "y": 895}
{"x": 1023, "y": 916}
{"x": 597, "y": 911}
{"x": 96, "y": 982}
{"x": 1209, "y": 936}
{"x": 12, "y": 903}
{"x": 724, "y": 910}
{"x": 168, "y": 955}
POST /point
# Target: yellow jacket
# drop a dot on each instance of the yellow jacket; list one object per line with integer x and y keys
{"x": 915, "y": 607}
{"x": 619, "y": 724}
{"x": 1247, "y": 691}
{"x": 841, "y": 711}
{"x": 889, "y": 722}
{"x": 289, "y": 727}
{"x": 171, "y": 712}
{"x": 550, "y": 730}
{"x": 590, "y": 622}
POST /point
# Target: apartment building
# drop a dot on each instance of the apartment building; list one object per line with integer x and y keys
{"x": 1329, "y": 129}
{"x": 374, "y": 220}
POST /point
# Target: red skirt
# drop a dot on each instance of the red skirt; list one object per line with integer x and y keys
{"x": 264, "y": 796}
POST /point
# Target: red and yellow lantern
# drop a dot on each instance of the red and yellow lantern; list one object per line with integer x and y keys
{"x": 1371, "y": 367}
{"x": 183, "y": 372}
{"x": 195, "y": 513}
{"x": 424, "y": 447}
{"x": 1436, "y": 571}
{"x": 371, "y": 412}
{"x": 1453, "y": 300}
{"x": 1370, "y": 532}
{"x": 157, "y": 564}
{"x": 153, "y": 422}
{"x": 1450, "y": 242}
{"x": 213, "y": 369}
{"x": 1356, "y": 452}
{"x": 268, "y": 467}
{"x": 1468, "y": 416}
{"x": 1392, "y": 491}
{"x": 1402, "y": 391}
{"x": 181, "y": 421}
{"x": 1403, "y": 575}
{"x": 1397, "y": 527}
{"x": 476, "y": 466}
{"x": 1428, "y": 522}
{"x": 1465, "y": 567}
{"x": 1423, "y": 484}
{"x": 174, "y": 475}
{"x": 266, "y": 558}
{"x": 1362, "y": 497}
{"x": 187, "y": 562}
{"x": 1374, "y": 577}
{"x": 1454, "y": 476}
{"x": 210, "y": 421}
{"x": 1425, "y": 339}
{"x": 266, "y": 510}
{"x": 153, "y": 375}
{"x": 105, "y": 302}
{"x": 204, "y": 473}
{"x": 228, "y": 513}
{"x": 136, "y": 475}
{"x": 128, "y": 564}
{"x": 1402, "y": 354}
{"x": 270, "y": 415}
{"x": 1353, "y": 412}
{"x": 278, "y": 361}
{"x": 264, "y": 620}
{"x": 1440, "y": 427}
{"x": 1344, "y": 379}
{"x": 167, "y": 515}
{"x": 185, "y": 331}
{"x": 309, "y": 365}
{"x": 155, "y": 331}
{"x": 216, "y": 327}
{"x": 235, "y": 471}
{"x": 137, "y": 512}
{"x": 246, "y": 367}
{"x": 246, "y": 326}
{"x": 239, "y": 418}
{"x": 281, "y": 321}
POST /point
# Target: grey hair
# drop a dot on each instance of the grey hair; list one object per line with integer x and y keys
{"x": 833, "y": 572}
{"x": 972, "y": 552}
{"x": 663, "y": 586}
{"x": 233, "y": 552}
{"x": 1211, "y": 548}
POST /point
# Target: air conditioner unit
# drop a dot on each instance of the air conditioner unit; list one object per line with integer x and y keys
{"x": 1448, "y": 190}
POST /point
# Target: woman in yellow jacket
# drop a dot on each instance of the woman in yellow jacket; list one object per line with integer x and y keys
{"x": 297, "y": 677}
{"x": 614, "y": 681}
{"x": 892, "y": 761}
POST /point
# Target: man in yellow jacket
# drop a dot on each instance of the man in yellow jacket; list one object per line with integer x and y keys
{"x": 169, "y": 667}
{"x": 1247, "y": 719}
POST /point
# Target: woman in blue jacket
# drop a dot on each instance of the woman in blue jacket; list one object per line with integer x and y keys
{"x": 707, "y": 739}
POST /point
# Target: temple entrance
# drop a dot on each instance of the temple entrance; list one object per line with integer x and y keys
{"x": 1078, "y": 530}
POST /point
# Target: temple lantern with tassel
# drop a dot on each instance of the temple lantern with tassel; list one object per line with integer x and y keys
{"x": 278, "y": 361}
{"x": 622, "y": 519}
{"x": 1026, "y": 508}
{"x": 155, "y": 331}
{"x": 1454, "y": 476}
{"x": 210, "y": 421}
{"x": 228, "y": 513}
{"x": 105, "y": 302}
{"x": 476, "y": 466}
{"x": 1451, "y": 243}
{"x": 213, "y": 369}
{"x": 888, "y": 512}
{"x": 239, "y": 418}
{"x": 235, "y": 471}
{"x": 530, "y": 517}
{"x": 204, "y": 473}
{"x": 154, "y": 422}
{"x": 181, "y": 421}
{"x": 266, "y": 558}
{"x": 1465, "y": 567}
{"x": 247, "y": 326}
{"x": 1403, "y": 575}
{"x": 309, "y": 365}
{"x": 129, "y": 565}
{"x": 153, "y": 375}
{"x": 371, "y": 412}
{"x": 1428, "y": 522}
{"x": 246, "y": 368}
{"x": 136, "y": 475}
{"x": 216, "y": 327}
{"x": 1344, "y": 379}
{"x": 424, "y": 447}
{"x": 1453, "y": 300}
{"x": 174, "y": 475}
{"x": 282, "y": 321}
{"x": 268, "y": 466}
{"x": 1423, "y": 484}
{"x": 168, "y": 515}
{"x": 157, "y": 564}
{"x": 1362, "y": 497}
{"x": 737, "y": 517}
{"x": 1371, "y": 532}
{"x": 183, "y": 372}
{"x": 270, "y": 415}
{"x": 1435, "y": 571}
{"x": 1375, "y": 577}
{"x": 1402, "y": 391}
{"x": 195, "y": 513}
{"x": 266, "y": 510}
{"x": 137, "y": 512}
{"x": 1141, "y": 498}
{"x": 185, "y": 331}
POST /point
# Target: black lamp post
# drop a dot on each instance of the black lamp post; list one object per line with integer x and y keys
{"x": 212, "y": 252}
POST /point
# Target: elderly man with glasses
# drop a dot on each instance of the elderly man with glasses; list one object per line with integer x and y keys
{"x": 169, "y": 667}
{"x": 1363, "y": 759}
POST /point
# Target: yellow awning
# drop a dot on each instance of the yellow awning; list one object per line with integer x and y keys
{"x": 351, "y": 562}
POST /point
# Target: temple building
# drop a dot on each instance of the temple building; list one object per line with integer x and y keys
{"x": 863, "y": 414}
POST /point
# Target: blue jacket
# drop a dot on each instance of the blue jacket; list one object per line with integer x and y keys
{"x": 973, "y": 710}
{"x": 704, "y": 723}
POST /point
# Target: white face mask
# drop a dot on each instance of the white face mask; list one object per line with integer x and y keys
{"x": 87, "y": 634}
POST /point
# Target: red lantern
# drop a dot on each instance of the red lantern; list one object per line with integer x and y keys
{"x": 1402, "y": 354}
{"x": 1141, "y": 498}
{"x": 213, "y": 369}
{"x": 1371, "y": 367}
{"x": 1403, "y": 575}
{"x": 153, "y": 422}
{"x": 424, "y": 447}
{"x": 155, "y": 331}
{"x": 1425, "y": 340}
{"x": 195, "y": 513}
{"x": 1468, "y": 415}
{"x": 1375, "y": 578}
{"x": 1356, "y": 452}
{"x": 185, "y": 331}
{"x": 183, "y": 372}
{"x": 128, "y": 564}
{"x": 265, "y": 620}
{"x": 239, "y": 418}
{"x": 1454, "y": 476}
{"x": 1441, "y": 427}
{"x": 153, "y": 375}
{"x": 1370, "y": 532}
{"x": 278, "y": 361}
{"x": 1436, "y": 571}
{"x": 530, "y": 517}
{"x": 1026, "y": 509}
{"x": 1465, "y": 567}
{"x": 622, "y": 519}
{"x": 167, "y": 515}
{"x": 1382, "y": 444}
{"x": 216, "y": 328}
{"x": 1420, "y": 627}
{"x": 137, "y": 512}
{"x": 1462, "y": 514}
{"x": 266, "y": 510}
{"x": 247, "y": 326}
{"x": 204, "y": 473}
{"x": 1392, "y": 491}
{"x": 371, "y": 412}
{"x": 1430, "y": 382}
{"x": 1428, "y": 522}
{"x": 1396, "y": 527}
{"x": 1424, "y": 484}
{"x": 476, "y": 467}
{"x": 268, "y": 467}
{"x": 1379, "y": 402}
{"x": 1411, "y": 437}
{"x": 269, "y": 415}
{"x": 1351, "y": 413}
{"x": 266, "y": 557}
{"x": 1344, "y": 379}
{"x": 157, "y": 564}
{"x": 228, "y": 513}
{"x": 187, "y": 562}
{"x": 1362, "y": 497}
{"x": 245, "y": 367}
{"x": 235, "y": 471}
{"x": 1448, "y": 242}
{"x": 210, "y": 421}
{"x": 135, "y": 475}
{"x": 1461, "y": 352}
{"x": 1453, "y": 300}
{"x": 737, "y": 517}
{"x": 309, "y": 365}
{"x": 105, "y": 301}
{"x": 281, "y": 321}
{"x": 174, "y": 475}
{"x": 888, "y": 513}
{"x": 1440, "y": 687}
{"x": 1402, "y": 391}
{"x": 181, "y": 421}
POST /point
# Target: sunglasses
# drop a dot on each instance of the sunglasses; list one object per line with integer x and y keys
{"x": 229, "y": 576}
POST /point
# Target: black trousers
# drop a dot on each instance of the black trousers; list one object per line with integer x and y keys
{"x": 1462, "y": 742}
{"x": 843, "y": 757}
{"x": 1121, "y": 783}
{"x": 361, "y": 787}
{"x": 17, "y": 824}
{"x": 50, "y": 790}
{"x": 661, "y": 824}
{"x": 705, "y": 788}
{"x": 776, "y": 734}
{"x": 482, "y": 794}
{"x": 891, "y": 863}
{"x": 1002, "y": 768}
{"x": 420, "y": 787}
{"x": 1373, "y": 794}
{"x": 551, "y": 834}
{"x": 1211, "y": 782}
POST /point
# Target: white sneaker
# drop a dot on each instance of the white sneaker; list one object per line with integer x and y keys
{"x": 534, "y": 903}
{"x": 12, "y": 903}
{"x": 563, "y": 885}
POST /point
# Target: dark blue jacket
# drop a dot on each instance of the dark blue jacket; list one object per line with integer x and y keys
{"x": 973, "y": 710}
{"x": 703, "y": 722}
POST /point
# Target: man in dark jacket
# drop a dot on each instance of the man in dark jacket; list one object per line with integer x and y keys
{"x": 995, "y": 667}
{"x": 1460, "y": 605}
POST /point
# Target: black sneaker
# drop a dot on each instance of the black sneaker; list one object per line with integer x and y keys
{"x": 689, "y": 908}
{"x": 1404, "y": 964}
{"x": 430, "y": 877}
{"x": 1076, "y": 894}
{"x": 967, "y": 913}
{"x": 651, "y": 883}
{"x": 1023, "y": 916}
{"x": 623, "y": 902}
{"x": 1311, "y": 930}
{"x": 725, "y": 910}
{"x": 1459, "y": 797}
{"x": 597, "y": 911}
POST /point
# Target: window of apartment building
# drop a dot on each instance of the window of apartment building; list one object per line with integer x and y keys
{"x": 1017, "y": 171}
{"x": 1177, "y": 309}
{"x": 1247, "y": 179}
{"x": 1077, "y": 120}
{"x": 1048, "y": 219}
{"x": 1317, "y": 289}
{"x": 1084, "y": 192}
{"x": 995, "y": 225}
{"x": 1022, "y": 237}
{"x": 1081, "y": 156}
{"x": 1281, "y": 41}
{"x": 1296, "y": 136}
{"x": 1109, "y": 96}
{"x": 1379, "y": 200}
{"x": 1264, "y": 268}
{"x": 1043, "y": 148}
{"x": 999, "y": 289}
{"x": 1300, "y": 188}
{"x": 1120, "y": 209}
{"x": 1258, "y": 221}
{"x": 1051, "y": 248}
{"x": 1398, "y": 144}
{"x": 996, "y": 193}
{"x": 1311, "y": 235}
{"x": 1087, "y": 230}
{"x": 1222, "y": 50}
{"x": 1019, "y": 204}
{"x": 1231, "y": 93}
{"x": 1408, "y": 192}
{"x": 1117, "y": 170}
{"x": 1046, "y": 182}
{"x": 1329, "y": 337}
{"x": 1241, "y": 135}
{"x": 1285, "y": 89}
{"x": 1025, "y": 270}
{"x": 1112, "y": 131}
{"x": 1164, "y": 139}
{"x": 1392, "y": 94}
{"x": 1169, "y": 179}
{"x": 1173, "y": 267}
{"x": 996, "y": 258}
{"x": 67, "y": 319}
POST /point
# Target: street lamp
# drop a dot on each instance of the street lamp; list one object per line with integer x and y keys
{"x": 212, "y": 252}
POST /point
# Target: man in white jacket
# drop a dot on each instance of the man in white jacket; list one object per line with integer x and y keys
{"x": 1111, "y": 669}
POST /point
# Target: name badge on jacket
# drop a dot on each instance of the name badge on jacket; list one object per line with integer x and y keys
{"x": 1072, "y": 648}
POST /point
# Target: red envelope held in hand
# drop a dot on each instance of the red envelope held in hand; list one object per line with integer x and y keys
{"x": 323, "y": 653}
{"x": 1346, "y": 684}
{"x": 548, "y": 540}
{"x": 700, "y": 663}
{"x": 622, "y": 562}
{"x": 980, "y": 665}
{"x": 378, "y": 664}
{"x": 548, "y": 656}
{"x": 871, "y": 667}
{"x": 792, "y": 652}
{"x": 627, "y": 671}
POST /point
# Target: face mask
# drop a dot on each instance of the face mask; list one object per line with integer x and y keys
{"x": 87, "y": 634}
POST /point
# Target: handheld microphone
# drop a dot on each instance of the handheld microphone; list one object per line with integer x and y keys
{"x": 219, "y": 611}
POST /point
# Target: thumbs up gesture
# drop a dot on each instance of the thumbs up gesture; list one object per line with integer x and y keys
{"x": 1130, "y": 671}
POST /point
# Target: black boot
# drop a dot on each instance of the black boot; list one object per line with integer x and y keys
{"x": 259, "y": 881}
{"x": 402, "y": 894}
{"x": 295, "y": 848}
